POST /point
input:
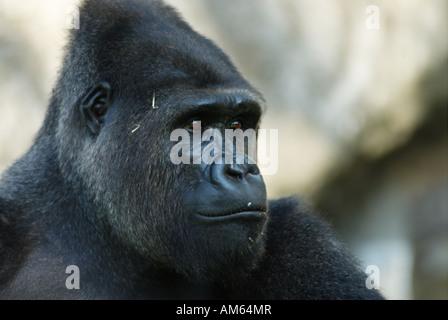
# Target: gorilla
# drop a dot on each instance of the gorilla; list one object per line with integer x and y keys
{"x": 98, "y": 194}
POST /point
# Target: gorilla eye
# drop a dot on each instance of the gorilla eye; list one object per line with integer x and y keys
{"x": 194, "y": 125}
{"x": 235, "y": 125}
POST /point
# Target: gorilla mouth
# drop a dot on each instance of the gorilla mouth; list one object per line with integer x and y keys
{"x": 246, "y": 211}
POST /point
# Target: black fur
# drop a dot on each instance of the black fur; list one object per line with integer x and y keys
{"x": 97, "y": 189}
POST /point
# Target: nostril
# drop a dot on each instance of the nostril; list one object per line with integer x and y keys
{"x": 253, "y": 169}
{"x": 241, "y": 171}
{"x": 234, "y": 171}
{"x": 220, "y": 174}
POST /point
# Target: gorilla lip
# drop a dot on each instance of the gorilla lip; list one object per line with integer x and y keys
{"x": 243, "y": 212}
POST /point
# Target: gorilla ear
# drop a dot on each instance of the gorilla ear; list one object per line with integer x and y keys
{"x": 95, "y": 105}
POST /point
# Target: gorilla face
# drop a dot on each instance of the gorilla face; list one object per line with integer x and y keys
{"x": 154, "y": 75}
{"x": 224, "y": 208}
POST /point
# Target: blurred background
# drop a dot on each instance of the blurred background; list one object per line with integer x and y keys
{"x": 357, "y": 90}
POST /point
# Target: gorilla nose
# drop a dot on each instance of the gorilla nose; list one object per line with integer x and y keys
{"x": 230, "y": 176}
{"x": 240, "y": 171}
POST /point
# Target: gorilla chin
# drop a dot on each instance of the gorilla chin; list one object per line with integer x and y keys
{"x": 222, "y": 246}
{"x": 242, "y": 229}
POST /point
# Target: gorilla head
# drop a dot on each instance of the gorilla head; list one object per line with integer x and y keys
{"x": 133, "y": 73}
